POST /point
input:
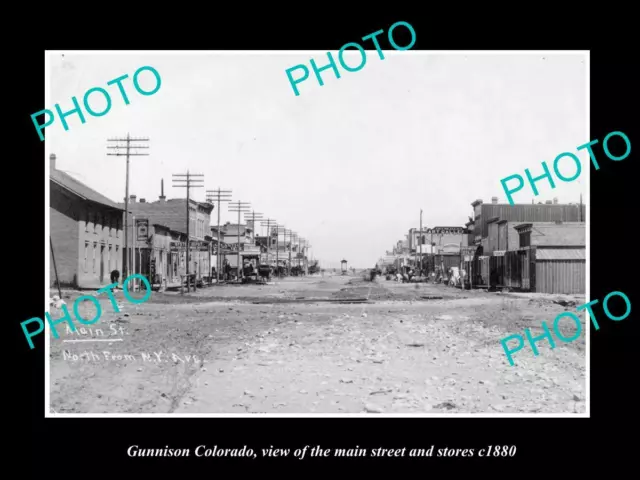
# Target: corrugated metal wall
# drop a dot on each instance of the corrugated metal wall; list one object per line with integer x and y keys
{"x": 561, "y": 276}
{"x": 527, "y": 213}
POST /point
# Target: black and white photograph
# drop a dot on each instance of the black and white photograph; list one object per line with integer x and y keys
{"x": 227, "y": 235}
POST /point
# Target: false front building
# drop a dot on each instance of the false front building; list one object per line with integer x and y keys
{"x": 158, "y": 239}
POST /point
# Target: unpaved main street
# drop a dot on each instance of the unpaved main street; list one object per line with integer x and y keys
{"x": 226, "y": 350}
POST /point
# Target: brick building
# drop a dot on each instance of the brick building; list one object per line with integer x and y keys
{"x": 86, "y": 233}
{"x": 172, "y": 215}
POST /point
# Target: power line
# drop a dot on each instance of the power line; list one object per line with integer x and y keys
{"x": 252, "y": 217}
{"x": 278, "y": 228}
{"x": 269, "y": 223}
{"x": 188, "y": 180}
{"x": 239, "y": 207}
{"x": 291, "y": 233}
{"x": 127, "y": 153}
{"x": 218, "y": 196}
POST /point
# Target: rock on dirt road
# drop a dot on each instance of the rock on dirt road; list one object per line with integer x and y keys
{"x": 402, "y": 349}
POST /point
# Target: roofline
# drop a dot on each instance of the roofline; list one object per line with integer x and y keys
{"x": 536, "y": 204}
{"x": 523, "y": 226}
{"x": 85, "y": 198}
{"x": 161, "y": 225}
{"x": 562, "y": 247}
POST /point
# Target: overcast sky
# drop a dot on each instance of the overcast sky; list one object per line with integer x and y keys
{"x": 348, "y": 165}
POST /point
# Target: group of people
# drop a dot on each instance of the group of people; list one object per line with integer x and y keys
{"x": 408, "y": 274}
{"x": 225, "y": 271}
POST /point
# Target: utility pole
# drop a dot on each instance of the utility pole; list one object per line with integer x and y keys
{"x": 279, "y": 228}
{"x": 218, "y": 196}
{"x": 301, "y": 252}
{"x": 252, "y": 217}
{"x": 269, "y": 223}
{"x": 415, "y": 255}
{"x": 581, "y": 207}
{"x": 127, "y": 153}
{"x": 188, "y": 181}
{"x": 431, "y": 250}
{"x": 290, "y": 232}
{"x": 308, "y": 256}
{"x": 420, "y": 240}
{"x": 291, "y": 245}
{"x": 239, "y": 207}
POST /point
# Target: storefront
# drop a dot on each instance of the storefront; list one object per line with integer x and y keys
{"x": 199, "y": 258}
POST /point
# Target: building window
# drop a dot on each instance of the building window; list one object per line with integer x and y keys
{"x": 110, "y": 224}
{"x": 86, "y": 248}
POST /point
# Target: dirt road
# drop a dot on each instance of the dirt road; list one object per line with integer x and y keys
{"x": 223, "y": 350}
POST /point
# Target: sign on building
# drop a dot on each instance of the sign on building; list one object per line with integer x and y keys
{"x": 142, "y": 227}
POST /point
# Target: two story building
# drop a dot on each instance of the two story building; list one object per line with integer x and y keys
{"x": 86, "y": 233}
{"x": 240, "y": 242}
{"x": 172, "y": 215}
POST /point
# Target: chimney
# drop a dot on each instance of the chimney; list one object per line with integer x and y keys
{"x": 555, "y": 200}
{"x": 142, "y": 200}
{"x": 494, "y": 200}
{"x": 132, "y": 198}
{"x": 162, "y": 197}
{"x": 52, "y": 158}
{"x": 548, "y": 202}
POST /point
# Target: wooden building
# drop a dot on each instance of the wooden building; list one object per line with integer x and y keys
{"x": 159, "y": 254}
{"x": 550, "y": 258}
{"x": 557, "y": 255}
{"x": 168, "y": 219}
{"x": 547, "y": 212}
